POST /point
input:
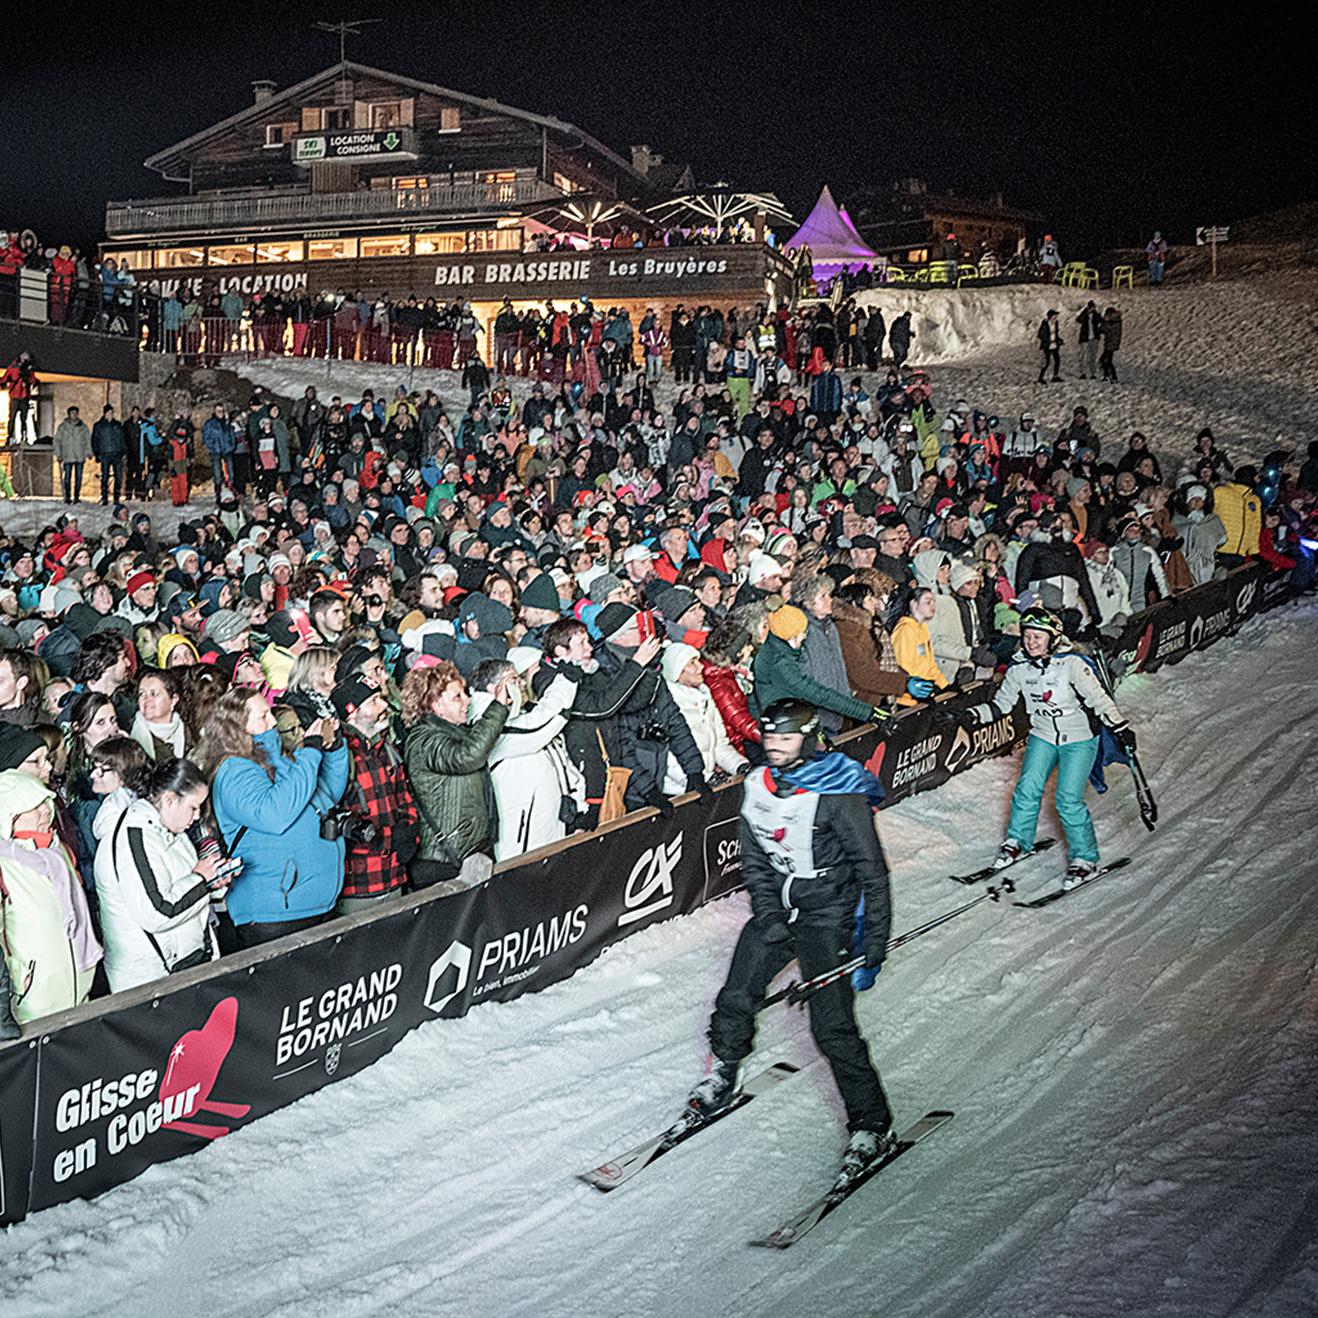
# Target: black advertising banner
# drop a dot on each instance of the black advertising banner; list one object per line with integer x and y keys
{"x": 153, "y": 1081}
{"x": 18, "y": 1093}
{"x": 1191, "y": 621}
{"x": 94, "y": 1103}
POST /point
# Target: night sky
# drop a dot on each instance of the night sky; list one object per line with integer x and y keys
{"x": 1112, "y": 123}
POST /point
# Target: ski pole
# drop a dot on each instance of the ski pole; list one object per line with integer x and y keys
{"x": 797, "y": 993}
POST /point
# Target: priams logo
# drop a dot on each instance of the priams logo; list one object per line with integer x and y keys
{"x": 457, "y": 957}
{"x": 650, "y": 884}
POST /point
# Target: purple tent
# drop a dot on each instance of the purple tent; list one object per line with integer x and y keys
{"x": 833, "y": 241}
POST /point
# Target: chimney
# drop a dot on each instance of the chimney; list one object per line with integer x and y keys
{"x": 262, "y": 90}
{"x": 643, "y": 159}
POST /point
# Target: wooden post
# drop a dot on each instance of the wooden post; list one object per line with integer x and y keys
{"x": 1212, "y": 242}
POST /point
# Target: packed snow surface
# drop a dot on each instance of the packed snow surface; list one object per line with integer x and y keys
{"x": 1133, "y": 1072}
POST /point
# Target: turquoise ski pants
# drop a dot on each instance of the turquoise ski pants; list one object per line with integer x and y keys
{"x": 1073, "y": 761}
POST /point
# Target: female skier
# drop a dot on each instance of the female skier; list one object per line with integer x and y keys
{"x": 1065, "y": 701}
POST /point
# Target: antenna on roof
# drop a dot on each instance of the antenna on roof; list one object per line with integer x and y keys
{"x": 346, "y": 29}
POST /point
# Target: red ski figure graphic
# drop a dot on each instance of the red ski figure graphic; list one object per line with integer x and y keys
{"x": 195, "y": 1061}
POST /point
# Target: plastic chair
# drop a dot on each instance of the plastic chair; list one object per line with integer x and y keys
{"x": 940, "y": 272}
{"x": 920, "y": 276}
{"x": 968, "y": 276}
{"x": 1088, "y": 277}
{"x": 1123, "y": 274}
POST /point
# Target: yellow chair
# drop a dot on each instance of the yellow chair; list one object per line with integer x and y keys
{"x": 920, "y": 276}
{"x": 1086, "y": 277}
{"x": 1123, "y": 274}
{"x": 967, "y": 276}
{"x": 895, "y": 275}
{"x": 940, "y": 272}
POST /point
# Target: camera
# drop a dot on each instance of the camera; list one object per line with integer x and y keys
{"x": 341, "y": 823}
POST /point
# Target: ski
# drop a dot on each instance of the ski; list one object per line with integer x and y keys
{"x": 795, "y": 1227}
{"x": 978, "y": 876}
{"x": 1101, "y": 872}
{"x": 610, "y": 1175}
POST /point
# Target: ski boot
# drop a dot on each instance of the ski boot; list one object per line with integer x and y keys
{"x": 718, "y": 1089}
{"x": 1008, "y": 853}
{"x": 865, "y": 1148}
{"x": 1077, "y": 872}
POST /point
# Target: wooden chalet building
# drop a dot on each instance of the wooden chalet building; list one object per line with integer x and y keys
{"x": 362, "y": 180}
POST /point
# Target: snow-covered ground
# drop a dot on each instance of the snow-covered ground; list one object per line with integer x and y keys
{"x": 1133, "y": 1072}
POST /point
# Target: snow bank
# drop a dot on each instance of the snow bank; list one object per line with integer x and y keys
{"x": 952, "y": 324}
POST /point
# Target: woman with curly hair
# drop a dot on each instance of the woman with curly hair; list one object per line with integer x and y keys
{"x": 448, "y": 764}
{"x": 269, "y": 808}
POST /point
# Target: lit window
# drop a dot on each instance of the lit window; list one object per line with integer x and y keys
{"x": 411, "y": 183}
{"x": 133, "y": 260}
{"x": 509, "y": 240}
{"x": 331, "y": 249}
{"x": 439, "y": 244}
{"x": 278, "y": 251}
{"x": 392, "y": 245}
{"x": 229, "y": 256}
{"x": 483, "y": 240}
{"x": 386, "y": 114}
{"x": 563, "y": 183}
{"x": 449, "y": 119}
{"x": 175, "y": 258}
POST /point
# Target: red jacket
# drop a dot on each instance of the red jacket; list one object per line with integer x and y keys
{"x": 1269, "y": 551}
{"x": 730, "y": 701}
{"x": 11, "y": 259}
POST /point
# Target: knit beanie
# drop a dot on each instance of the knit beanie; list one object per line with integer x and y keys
{"x": 675, "y": 659}
{"x": 787, "y": 622}
{"x": 541, "y": 593}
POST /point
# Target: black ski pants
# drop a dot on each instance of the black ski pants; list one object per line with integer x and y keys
{"x": 832, "y": 1012}
{"x": 1053, "y": 357}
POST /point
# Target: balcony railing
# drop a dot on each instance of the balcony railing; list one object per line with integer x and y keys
{"x": 124, "y": 219}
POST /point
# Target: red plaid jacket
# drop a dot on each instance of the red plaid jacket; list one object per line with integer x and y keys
{"x": 379, "y": 791}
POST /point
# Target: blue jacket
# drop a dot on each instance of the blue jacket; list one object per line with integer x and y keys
{"x": 289, "y": 871}
{"x": 217, "y": 435}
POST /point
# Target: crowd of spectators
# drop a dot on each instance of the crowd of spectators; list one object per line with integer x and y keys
{"x": 411, "y": 640}
{"x": 81, "y": 291}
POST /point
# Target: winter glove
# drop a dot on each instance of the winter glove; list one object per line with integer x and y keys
{"x": 864, "y": 978}
{"x": 407, "y": 842}
{"x": 663, "y": 805}
{"x": 696, "y": 783}
{"x": 1125, "y": 734}
{"x": 919, "y": 687}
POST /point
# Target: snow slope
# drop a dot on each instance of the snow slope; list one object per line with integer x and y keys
{"x": 1133, "y": 1070}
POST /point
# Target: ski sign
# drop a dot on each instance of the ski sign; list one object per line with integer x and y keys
{"x": 1210, "y": 233}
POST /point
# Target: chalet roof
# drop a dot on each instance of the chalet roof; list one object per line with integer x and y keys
{"x": 176, "y": 155}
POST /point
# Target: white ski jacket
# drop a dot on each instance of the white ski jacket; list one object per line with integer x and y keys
{"x": 1059, "y": 690}
{"x": 531, "y": 772}
{"x": 155, "y": 908}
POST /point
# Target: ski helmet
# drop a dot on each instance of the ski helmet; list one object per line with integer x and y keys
{"x": 787, "y": 716}
{"x": 1037, "y": 618}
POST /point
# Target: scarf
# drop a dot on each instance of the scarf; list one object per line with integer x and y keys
{"x": 147, "y": 734}
{"x": 831, "y": 774}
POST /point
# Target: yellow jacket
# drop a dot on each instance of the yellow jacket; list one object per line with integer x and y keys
{"x": 1241, "y": 512}
{"x": 915, "y": 655}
